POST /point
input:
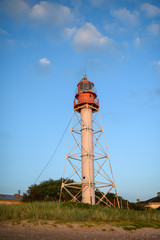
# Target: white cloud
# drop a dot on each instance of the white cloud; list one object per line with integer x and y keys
{"x": 44, "y": 61}
{"x": 15, "y": 8}
{"x": 114, "y": 29}
{"x": 110, "y": 28}
{"x": 69, "y": 32}
{"x": 3, "y": 32}
{"x": 88, "y": 38}
{"x": 157, "y": 92}
{"x": 96, "y": 3}
{"x": 157, "y": 64}
{"x": 51, "y": 13}
{"x": 48, "y": 13}
{"x": 154, "y": 29}
{"x": 10, "y": 41}
{"x": 43, "y": 67}
{"x": 137, "y": 42}
{"x": 39, "y": 11}
{"x": 122, "y": 58}
{"x": 150, "y": 10}
{"x": 125, "y": 44}
{"x": 126, "y": 17}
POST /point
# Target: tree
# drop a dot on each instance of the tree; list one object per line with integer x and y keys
{"x": 47, "y": 191}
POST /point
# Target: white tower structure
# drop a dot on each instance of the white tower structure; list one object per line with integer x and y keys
{"x": 87, "y": 160}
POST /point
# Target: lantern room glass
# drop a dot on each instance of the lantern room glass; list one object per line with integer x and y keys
{"x": 85, "y": 86}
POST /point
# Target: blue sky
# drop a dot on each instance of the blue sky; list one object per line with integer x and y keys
{"x": 45, "y": 49}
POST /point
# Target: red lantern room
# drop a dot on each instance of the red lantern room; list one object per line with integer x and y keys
{"x": 86, "y": 95}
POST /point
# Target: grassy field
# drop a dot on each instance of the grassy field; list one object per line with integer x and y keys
{"x": 80, "y": 213}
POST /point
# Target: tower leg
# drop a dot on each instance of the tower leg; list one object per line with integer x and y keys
{"x": 88, "y": 192}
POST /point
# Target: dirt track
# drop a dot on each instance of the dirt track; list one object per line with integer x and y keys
{"x": 27, "y": 231}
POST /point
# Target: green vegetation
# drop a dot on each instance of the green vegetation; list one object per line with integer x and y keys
{"x": 46, "y": 191}
{"x": 79, "y": 213}
{"x": 112, "y": 230}
{"x": 136, "y": 225}
{"x": 40, "y": 205}
{"x": 69, "y": 225}
{"x": 129, "y": 228}
{"x": 50, "y": 190}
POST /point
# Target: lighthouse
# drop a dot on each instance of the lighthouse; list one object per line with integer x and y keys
{"x": 87, "y": 160}
{"x": 86, "y": 103}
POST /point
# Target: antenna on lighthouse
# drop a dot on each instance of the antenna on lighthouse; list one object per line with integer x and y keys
{"x": 87, "y": 160}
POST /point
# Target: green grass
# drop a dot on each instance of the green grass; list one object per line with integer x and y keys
{"x": 79, "y": 213}
{"x": 111, "y": 229}
{"x": 43, "y": 222}
{"x": 69, "y": 226}
{"x": 103, "y": 229}
{"x": 88, "y": 225}
{"x": 129, "y": 228}
{"x": 54, "y": 224}
{"x": 136, "y": 225}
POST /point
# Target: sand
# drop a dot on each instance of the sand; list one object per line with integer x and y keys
{"x": 52, "y": 231}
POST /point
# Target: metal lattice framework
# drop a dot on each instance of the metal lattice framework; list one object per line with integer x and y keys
{"x": 103, "y": 176}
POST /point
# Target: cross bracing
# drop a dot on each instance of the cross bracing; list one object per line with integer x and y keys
{"x": 103, "y": 182}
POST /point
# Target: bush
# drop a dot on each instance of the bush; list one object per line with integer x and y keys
{"x": 47, "y": 191}
{"x": 137, "y": 206}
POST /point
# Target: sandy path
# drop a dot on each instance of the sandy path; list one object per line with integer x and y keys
{"x": 27, "y": 231}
